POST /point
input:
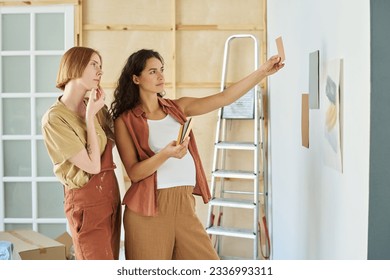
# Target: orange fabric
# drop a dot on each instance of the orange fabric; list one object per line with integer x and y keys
{"x": 266, "y": 257}
{"x": 94, "y": 214}
{"x": 175, "y": 233}
{"x": 141, "y": 197}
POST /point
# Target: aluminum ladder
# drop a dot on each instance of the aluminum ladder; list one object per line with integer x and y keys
{"x": 248, "y": 107}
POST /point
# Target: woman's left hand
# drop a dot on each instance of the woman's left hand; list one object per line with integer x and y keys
{"x": 272, "y": 65}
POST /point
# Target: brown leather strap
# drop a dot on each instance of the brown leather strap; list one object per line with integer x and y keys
{"x": 264, "y": 220}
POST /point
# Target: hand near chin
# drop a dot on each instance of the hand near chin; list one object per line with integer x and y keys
{"x": 96, "y": 101}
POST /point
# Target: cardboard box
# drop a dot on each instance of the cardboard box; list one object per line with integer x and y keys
{"x": 31, "y": 245}
{"x": 66, "y": 239}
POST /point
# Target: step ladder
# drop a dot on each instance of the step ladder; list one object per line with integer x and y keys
{"x": 227, "y": 189}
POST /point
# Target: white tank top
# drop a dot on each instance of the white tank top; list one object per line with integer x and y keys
{"x": 173, "y": 172}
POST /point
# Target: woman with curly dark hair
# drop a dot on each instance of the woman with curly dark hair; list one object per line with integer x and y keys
{"x": 123, "y": 100}
{"x": 159, "y": 219}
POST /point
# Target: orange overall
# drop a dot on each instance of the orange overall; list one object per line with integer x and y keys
{"x": 94, "y": 213}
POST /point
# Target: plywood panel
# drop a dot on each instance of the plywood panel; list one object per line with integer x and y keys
{"x": 117, "y": 46}
{"x": 142, "y": 12}
{"x": 231, "y": 12}
{"x": 200, "y": 56}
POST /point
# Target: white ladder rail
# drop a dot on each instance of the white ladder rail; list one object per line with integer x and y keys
{"x": 219, "y": 159}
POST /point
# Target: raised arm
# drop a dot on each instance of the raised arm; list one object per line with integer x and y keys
{"x": 193, "y": 106}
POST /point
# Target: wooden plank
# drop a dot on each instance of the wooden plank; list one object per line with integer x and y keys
{"x": 220, "y": 27}
{"x": 125, "y": 27}
{"x": 173, "y": 55}
{"x": 78, "y": 23}
{"x": 179, "y": 27}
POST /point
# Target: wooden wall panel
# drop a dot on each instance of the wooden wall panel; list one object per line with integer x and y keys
{"x": 200, "y": 57}
{"x": 132, "y": 12}
{"x": 117, "y": 46}
{"x": 220, "y": 12}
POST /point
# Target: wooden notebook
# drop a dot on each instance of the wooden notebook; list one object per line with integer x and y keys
{"x": 184, "y": 131}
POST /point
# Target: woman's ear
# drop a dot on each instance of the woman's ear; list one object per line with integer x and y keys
{"x": 135, "y": 79}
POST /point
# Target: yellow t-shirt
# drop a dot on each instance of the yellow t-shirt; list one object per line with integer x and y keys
{"x": 65, "y": 135}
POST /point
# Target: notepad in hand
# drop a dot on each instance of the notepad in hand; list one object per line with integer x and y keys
{"x": 184, "y": 131}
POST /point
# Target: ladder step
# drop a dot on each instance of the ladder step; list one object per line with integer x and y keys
{"x": 242, "y": 192}
{"x": 234, "y": 174}
{"x": 233, "y": 258}
{"x": 238, "y": 203}
{"x": 236, "y": 145}
{"x": 233, "y": 232}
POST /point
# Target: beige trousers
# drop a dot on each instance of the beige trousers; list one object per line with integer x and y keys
{"x": 174, "y": 234}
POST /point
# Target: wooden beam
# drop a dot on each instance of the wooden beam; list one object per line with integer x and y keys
{"x": 78, "y": 23}
{"x": 219, "y": 27}
{"x": 173, "y": 54}
{"x": 126, "y": 27}
{"x": 178, "y": 27}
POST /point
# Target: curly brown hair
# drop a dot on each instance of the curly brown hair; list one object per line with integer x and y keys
{"x": 126, "y": 94}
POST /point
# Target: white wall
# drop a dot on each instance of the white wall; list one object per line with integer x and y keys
{"x": 318, "y": 212}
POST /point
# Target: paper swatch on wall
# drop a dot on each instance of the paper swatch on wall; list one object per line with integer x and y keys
{"x": 331, "y": 111}
{"x": 305, "y": 120}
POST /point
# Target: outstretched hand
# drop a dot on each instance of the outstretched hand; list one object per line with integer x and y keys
{"x": 272, "y": 65}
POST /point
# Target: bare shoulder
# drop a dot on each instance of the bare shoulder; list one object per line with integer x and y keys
{"x": 185, "y": 102}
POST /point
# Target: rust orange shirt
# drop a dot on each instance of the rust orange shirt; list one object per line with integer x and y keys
{"x": 141, "y": 197}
